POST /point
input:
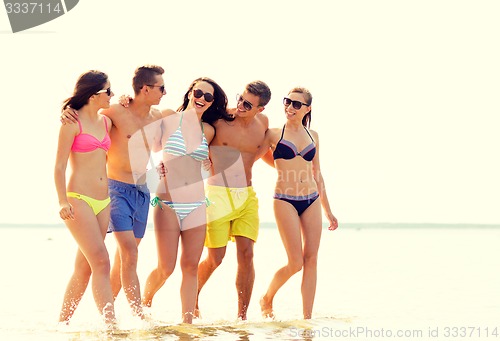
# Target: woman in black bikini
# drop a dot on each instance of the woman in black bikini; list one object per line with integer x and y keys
{"x": 294, "y": 152}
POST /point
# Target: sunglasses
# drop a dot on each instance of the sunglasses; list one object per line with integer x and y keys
{"x": 197, "y": 93}
{"x": 162, "y": 87}
{"x": 296, "y": 104}
{"x": 246, "y": 104}
{"x": 107, "y": 91}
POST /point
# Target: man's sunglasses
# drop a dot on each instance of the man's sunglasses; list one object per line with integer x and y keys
{"x": 246, "y": 104}
{"x": 107, "y": 91}
{"x": 197, "y": 93}
{"x": 162, "y": 87}
{"x": 296, "y": 104}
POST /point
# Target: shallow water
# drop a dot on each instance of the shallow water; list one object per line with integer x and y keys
{"x": 372, "y": 280}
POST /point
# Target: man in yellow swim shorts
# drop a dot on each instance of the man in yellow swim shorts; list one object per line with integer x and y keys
{"x": 233, "y": 212}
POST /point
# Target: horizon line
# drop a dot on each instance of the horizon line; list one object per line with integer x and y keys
{"x": 273, "y": 223}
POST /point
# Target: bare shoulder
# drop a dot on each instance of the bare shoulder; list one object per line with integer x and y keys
{"x": 167, "y": 112}
{"x": 113, "y": 111}
{"x": 209, "y": 131}
{"x": 217, "y": 123}
{"x": 221, "y": 125}
{"x": 272, "y": 134}
{"x": 107, "y": 120}
{"x": 263, "y": 119}
{"x": 208, "y": 128}
{"x": 314, "y": 134}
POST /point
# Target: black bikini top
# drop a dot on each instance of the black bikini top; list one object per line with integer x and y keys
{"x": 287, "y": 150}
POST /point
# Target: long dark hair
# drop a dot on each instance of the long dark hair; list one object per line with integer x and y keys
{"x": 87, "y": 85}
{"x": 218, "y": 108}
{"x": 306, "y": 120}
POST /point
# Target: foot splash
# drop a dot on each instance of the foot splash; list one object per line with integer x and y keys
{"x": 266, "y": 308}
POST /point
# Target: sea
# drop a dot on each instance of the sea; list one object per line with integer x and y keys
{"x": 375, "y": 282}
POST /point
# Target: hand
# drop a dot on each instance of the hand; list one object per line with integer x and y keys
{"x": 69, "y": 116}
{"x": 66, "y": 212}
{"x": 161, "y": 169}
{"x": 206, "y": 164}
{"x": 333, "y": 222}
{"x": 231, "y": 112}
{"x": 125, "y": 100}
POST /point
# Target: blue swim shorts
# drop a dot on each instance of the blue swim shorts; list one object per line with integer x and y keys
{"x": 129, "y": 207}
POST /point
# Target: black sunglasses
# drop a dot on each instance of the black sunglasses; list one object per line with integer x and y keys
{"x": 107, "y": 91}
{"x": 197, "y": 93}
{"x": 246, "y": 104}
{"x": 296, "y": 104}
{"x": 162, "y": 87}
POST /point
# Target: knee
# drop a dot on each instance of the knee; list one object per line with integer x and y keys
{"x": 165, "y": 270}
{"x": 82, "y": 268}
{"x": 129, "y": 257}
{"x": 295, "y": 265}
{"x": 311, "y": 260}
{"x": 101, "y": 263}
{"x": 189, "y": 267}
{"x": 245, "y": 256}
{"x": 215, "y": 259}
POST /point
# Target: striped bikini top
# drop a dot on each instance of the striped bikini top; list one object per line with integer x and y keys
{"x": 176, "y": 145}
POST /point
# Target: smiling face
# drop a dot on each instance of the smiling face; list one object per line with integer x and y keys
{"x": 248, "y": 104}
{"x": 293, "y": 101}
{"x": 102, "y": 98}
{"x": 201, "y": 97}
{"x": 156, "y": 90}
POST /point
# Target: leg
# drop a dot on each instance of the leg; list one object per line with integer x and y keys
{"x": 192, "y": 239}
{"x": 289, "y": 227}
{"x": 128, "y": 251}
{"x": 206, "y": 268}
{"x": 311, "y": 232}
{"x": 192, "y": 248}
{"x": 91, "y": 243}
{"x": 167, "y": 234}
{"x": 116, "y": 269}
{"x": 245, "y": 276}
{"x": 81, "y": 275}
{"x": 116, "y": 280}
{"x": 76, "y": 287}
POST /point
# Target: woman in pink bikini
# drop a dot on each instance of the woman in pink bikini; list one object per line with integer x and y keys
{"x": 84, "y": 199}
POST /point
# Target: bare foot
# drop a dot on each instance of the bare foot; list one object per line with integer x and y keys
{"x": 196, "y": 313}
{"x": 187, "y": 317}
{"x": 266, "y": 308}
{"x": 147, "y": 303}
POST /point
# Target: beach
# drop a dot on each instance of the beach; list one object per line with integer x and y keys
{"x": 375, "y": 281}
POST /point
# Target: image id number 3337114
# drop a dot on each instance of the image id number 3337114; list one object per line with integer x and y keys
{"x": 32, "y": 7}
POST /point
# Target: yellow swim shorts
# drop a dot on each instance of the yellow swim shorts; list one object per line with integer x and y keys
{"x": 232, "y": 212}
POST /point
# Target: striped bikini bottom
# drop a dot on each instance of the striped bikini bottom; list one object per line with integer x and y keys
{"x": 181, "y": 209}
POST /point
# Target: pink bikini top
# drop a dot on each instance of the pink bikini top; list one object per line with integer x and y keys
{"x": 84, "y": 143}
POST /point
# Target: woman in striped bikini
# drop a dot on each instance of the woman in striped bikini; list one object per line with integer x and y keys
{"x": 180, "y": 203}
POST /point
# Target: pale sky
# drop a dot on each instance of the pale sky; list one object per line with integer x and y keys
{"x": 406, "y": 93}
